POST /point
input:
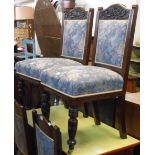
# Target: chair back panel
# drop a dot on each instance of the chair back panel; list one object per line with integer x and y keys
{"x": 111, "y": 42}
{"x": 76, "y": 34}
{"x": 45, "y": 144}
{"x": 74, "y": 38}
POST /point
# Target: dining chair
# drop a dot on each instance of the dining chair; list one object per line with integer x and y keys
{"x": 48, "y": 136}
{"x": 107, "y": 78}
{"x": 76, "y": 40}
{"x": 27, "y": 43}
{"x": 23, "y": 133}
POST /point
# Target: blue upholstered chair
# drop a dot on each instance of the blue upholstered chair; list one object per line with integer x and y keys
{"x": 23, "y": 133}
{"x": 76, "y": 38}
{"x": 26, "y": 43}
{"x": 107, "y": 79}
{"x": 48, "y": 136}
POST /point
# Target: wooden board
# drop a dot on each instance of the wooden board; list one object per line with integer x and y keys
{"x": 47, "y": 28}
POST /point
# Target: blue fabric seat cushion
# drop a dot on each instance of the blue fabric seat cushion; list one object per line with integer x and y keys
{"x": 82, "y": 80}
{"x": 33, "y": 67}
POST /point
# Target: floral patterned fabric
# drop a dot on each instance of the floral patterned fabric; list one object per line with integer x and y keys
{"x": 74, "y": 38}
{"x": 111, "y": 41}
{"x": 20, "y": 137}
{"x": 33, "y": 67}
{"x": 81, "y": 80}
{"x": 45, "y": 145}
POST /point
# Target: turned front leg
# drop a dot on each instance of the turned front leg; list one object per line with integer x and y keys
{"x": 72, "y": 128}
{"x": 45, "y": 106}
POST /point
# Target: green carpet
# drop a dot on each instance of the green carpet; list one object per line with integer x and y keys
{"x": 91, "y": 139}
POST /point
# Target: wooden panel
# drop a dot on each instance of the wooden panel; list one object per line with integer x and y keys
{"x": 48, "y": 29}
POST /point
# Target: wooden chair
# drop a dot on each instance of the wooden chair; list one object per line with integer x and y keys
{"x": 76, "y": 39}
{"x": 26, "y": 43}
{"x": 107, "y": 79}
{"x": 23, "y": 133}
{"x": 48, "y": 136}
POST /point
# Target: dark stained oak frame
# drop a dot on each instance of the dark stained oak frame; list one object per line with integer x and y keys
{"x": 20, "y": 111}
{"x": 26, "y": 86}
{"x": 73, "y": 102}
{"x": 50, "y": 130}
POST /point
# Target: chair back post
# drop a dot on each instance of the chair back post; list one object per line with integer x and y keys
{"x": 96, "y": 35}
{"x": 130, "y": 44}
{"x": 89, "y": 36}
{"x": 48, "y": 129}
{"x": 78, "y": 14}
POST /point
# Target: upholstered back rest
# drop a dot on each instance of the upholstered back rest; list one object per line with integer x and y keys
{"x": 77, "y": 24}
{"x": 27, "y": 42}
{"x": 48, "y": 137}
{"x": 45, "y": 144}
{"x": 114, "y": 37}
{"x": 20, "y": 129}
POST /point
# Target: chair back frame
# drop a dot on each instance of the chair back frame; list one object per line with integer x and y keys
{"x": 50, "y": 130}
{"x": 20, "y": 111}
{"x": 118, "y": 12}
{"x": 79, "y": 13}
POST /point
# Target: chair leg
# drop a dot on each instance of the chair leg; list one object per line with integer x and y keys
{"x": 121, "y": 117}
{"x": 96, "y": 113}
{"x": 72, "y": 128}
{"x": 85, "y": 110}
{"x": 45, "y": 106}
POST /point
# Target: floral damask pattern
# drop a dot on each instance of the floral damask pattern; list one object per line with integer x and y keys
{"x": 20, "y": 137}
{"x": 81, "y": 80}
{"x": 33, "y": 67}
{"x": 74, "y": 38}
{"x": 111, "y": 41}
{"x": 45, "y": 145}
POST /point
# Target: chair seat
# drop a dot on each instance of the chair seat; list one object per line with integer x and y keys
{"x": 82, "y": 80}
{"x": 33, "y": 67}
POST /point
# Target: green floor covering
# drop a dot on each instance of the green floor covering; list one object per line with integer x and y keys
{"x": 91, "y": 139}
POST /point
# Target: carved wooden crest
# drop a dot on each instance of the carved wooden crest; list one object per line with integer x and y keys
{"x": 115, "y": 12}
{"x": 76, "y": 13}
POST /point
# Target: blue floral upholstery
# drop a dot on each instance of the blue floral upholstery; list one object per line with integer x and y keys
{"x": 82, "y": 80}
{"x": 45, "y": 145}
{"x": 74, "y": 38}
{"x": 20, "y": 137}
{"x": 111, "y": 41}
{"x": 33, "y": 67}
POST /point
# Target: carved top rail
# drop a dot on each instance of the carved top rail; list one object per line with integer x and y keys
{"x": 76, "y": 13}
{"x": 116, "y": 11}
